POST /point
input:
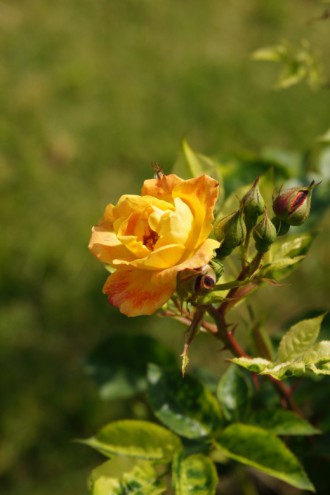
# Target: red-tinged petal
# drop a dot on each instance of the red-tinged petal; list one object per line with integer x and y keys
{"x": 161, "y": 187}
{"x": 138, "y": 292}
{"x": 142, "y": 292}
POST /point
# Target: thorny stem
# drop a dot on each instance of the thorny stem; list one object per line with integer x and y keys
{"x": 232, "y": 345}
{"x": 237, "y": 293}
{"x": 190, "y": 335}
{"x": 219, "y": 316}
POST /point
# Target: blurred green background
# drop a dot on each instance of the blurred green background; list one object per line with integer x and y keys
{"x": 90, "y": 94}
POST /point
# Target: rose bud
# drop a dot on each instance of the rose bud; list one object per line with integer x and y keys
{"x": 194, "y": 282}
{"x": 293, "y": 205}
{"x": 264, "y": 234}
{"x": 231, "y": 231}
{"x": 253, "y": 205}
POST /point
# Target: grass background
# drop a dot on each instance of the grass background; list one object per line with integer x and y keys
{"x": 90, "y": 94}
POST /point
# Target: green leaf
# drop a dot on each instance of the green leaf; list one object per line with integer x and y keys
{"x": 258, "y": 448}
{"x": 234, "y": 394}
{"x": 299, "y": 338}
{"x": 134, "y": 438}
{"x": 292, "y": 246}
{"x": 183, "y": 404}
{"x": 280, "y": 268}
{"x": 282, "y": 422}
{"x": 274, "y": 53}
{"x": 119, "y": 364}
{"x": 325, "y": 138}
{"x": 315, "y": 360}
{"x": 194, "y": 475}
{"x": 255, "y": 365}
{"x": 140, "y": 479}
{"x": 190, "y": 164}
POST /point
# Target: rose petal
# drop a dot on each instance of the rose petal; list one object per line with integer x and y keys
{"x": 161, "y": 187}
{"x": 138, "y": 292}
{"x": 106, "y": 246}
{"x": 200, "y": 194}
{"x": 142, "y": 292}
{"x": 173, "y": 228}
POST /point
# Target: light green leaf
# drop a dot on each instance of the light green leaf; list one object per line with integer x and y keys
{"x": 135, "y": 438}
{"x": 282, "y": 422}
{"x": 234, "y": 394}
{"x": 119, "y": 364}
{"x": 192, "y": 164}
{"x": 299, "y": 338}
{"x": 293, "y": 74}
{"x": 258, "y": 448}
{"x": 255, "y": 365}
{"x": 183, "y": 404}
{"x": 280, "y": 268}
{"x": 292, "y": 246}
{"x": 315, "y": 360}
{"x": 140, "y": 479}
{"x": 274, "y": 53}
{"x": 325, "y": 138}
{"x": 194, "y": 475}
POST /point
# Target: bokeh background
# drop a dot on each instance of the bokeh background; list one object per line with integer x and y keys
{"x": 92, "y": 92}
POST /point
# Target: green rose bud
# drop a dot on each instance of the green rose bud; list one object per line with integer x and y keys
{"x": 231, "y": 231}
{"x": 253, "y": 205}
{"x": 264, "y": 234}
{"x": 293, "y": 205}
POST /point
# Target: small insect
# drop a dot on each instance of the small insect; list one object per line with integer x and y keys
{"x": 158, "y": 170}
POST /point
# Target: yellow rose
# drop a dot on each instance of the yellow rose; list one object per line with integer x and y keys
{"x": 148, "y": 239}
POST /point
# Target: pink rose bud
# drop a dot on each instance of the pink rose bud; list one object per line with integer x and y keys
{"x": 293, "y": 205}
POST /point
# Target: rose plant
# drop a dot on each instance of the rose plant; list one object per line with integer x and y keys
{"x": 168, "y": 252}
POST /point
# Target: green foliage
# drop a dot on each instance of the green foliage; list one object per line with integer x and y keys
{"x": 140, "y": 479}
{"x": 194, "y": 475}
{"x": 258, "y": 448}
{"x": 282, "y": 422}
{"x": 134, "y": 438}
{"x": 298, "y": 64}
{"x": 119, "y": 364}
{"x": 234, "y": 394}
{"x": 298, "y": 353}
{"x": 183, "y": 404}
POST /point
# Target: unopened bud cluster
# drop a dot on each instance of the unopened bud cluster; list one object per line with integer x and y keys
{"x": 291, "y": 207}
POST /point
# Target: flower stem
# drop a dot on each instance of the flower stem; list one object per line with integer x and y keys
{"x": 232, "y": 345}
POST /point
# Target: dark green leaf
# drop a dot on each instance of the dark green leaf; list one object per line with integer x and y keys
{"x": 194, "y": 475}
{"x": 119, "y": 364}
{"x": 282, "y": 422}
{"x": 234, "y": 394}
{"x": 257, "y": 447}
{"x": 133, "y": 438}
{"x": 183, "y": 404}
